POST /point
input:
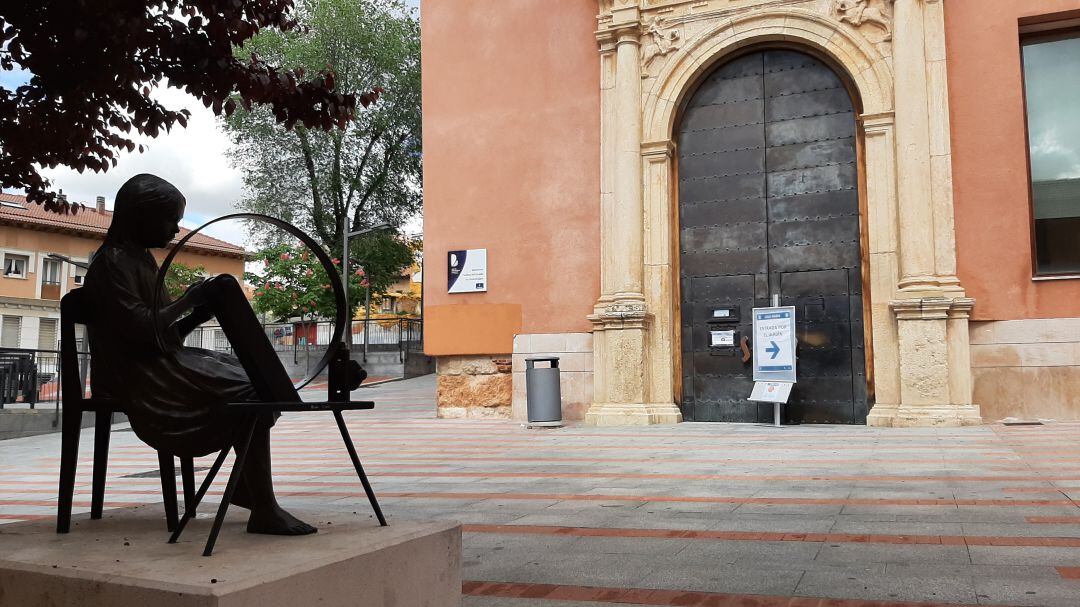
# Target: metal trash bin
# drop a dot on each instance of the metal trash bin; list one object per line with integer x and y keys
{"x": 543, "y": 395}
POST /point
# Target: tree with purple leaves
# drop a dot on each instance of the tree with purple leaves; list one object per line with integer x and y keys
{"x": 93, "y": 65}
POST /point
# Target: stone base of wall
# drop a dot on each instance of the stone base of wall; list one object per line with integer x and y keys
{"x": 575, "y": 352}
{"x": 473, "y": 386}
{"x": 1028, "y": 369}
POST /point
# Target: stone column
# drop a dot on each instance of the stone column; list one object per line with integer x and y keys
{"x": 937, "y": 83}
{"x": 929, "y": 305}
{"x": 620, "y": 318}
{"x": 914, "y": 190}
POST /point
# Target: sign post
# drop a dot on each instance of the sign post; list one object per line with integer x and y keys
{"x": 774, "y": 356}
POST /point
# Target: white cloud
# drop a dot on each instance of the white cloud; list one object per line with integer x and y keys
{"x": 192, "y": 159}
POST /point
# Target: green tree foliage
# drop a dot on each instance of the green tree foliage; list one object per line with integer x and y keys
{"x": 291, "y": 282}
{"x": 367, "y": 173}
{"x": 180, "y": 277}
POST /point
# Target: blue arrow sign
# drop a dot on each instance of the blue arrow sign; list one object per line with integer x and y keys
{"x": 774, "y": 350}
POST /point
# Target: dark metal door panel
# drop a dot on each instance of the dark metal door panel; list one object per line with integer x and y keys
{"x": 813, "y": 255}
{"x": 714, "y": 382}
{"x": 769, "y": 205}
{"x": 822, "y": 301}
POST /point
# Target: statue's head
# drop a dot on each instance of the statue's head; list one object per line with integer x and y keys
{"x": 147, "y": 212}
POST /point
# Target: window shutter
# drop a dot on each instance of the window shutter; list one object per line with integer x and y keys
{"x": 47, "y": 334}
{"x": 11, "y": 332}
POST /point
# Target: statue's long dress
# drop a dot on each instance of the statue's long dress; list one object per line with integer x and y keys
{"x": 176, "y": 395}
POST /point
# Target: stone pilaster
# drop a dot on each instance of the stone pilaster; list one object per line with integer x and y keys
{"x": 930, "y": 352}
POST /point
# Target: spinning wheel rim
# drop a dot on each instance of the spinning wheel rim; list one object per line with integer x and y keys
{"x": 335, "y": 283}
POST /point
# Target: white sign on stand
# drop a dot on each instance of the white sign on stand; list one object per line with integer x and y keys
{"x": 774, "y": 344}
{"x": 774, "y": 356}
{"x": 771, "y": 392}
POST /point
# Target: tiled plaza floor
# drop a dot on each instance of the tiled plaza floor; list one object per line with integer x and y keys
{"x": 695, "y": 514}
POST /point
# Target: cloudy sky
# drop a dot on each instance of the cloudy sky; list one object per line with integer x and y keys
{"x": 193, "y": 159}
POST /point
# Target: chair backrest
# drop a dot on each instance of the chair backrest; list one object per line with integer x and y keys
{"x": 75, "y": 308}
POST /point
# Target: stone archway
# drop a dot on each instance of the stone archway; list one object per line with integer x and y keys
{"x": 918, "y": 311}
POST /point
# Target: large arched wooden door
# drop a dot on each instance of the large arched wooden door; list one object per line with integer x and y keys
{"x": 768, "y": 204}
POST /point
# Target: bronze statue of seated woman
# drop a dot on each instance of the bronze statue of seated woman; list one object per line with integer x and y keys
{"x": 176, "y": 395}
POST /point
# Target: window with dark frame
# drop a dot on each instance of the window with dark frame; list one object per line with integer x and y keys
{"x": 1051, "y": 64}
{"x": 50, "y": 272}
{"x": 15, "y": 265}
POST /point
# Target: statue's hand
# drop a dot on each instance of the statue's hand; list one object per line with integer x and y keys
{"x": 195, "y": 295}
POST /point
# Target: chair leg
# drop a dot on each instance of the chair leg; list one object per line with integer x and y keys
{"x": 207, "y": 480}
{"x": 102, "y": 434}
{"x": 234, "y": 478}
{"x": 359, "y": 469}
{"x": 168, "y": 488}
{"x": 187, "y": 476}
{"x": 70, "y": 427}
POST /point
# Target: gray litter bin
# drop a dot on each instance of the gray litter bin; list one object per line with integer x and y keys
{"x": 542, "y": 392}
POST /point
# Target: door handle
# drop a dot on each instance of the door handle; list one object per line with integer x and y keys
{"x": 744, "y": 345}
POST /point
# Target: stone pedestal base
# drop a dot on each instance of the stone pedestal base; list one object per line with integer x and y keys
{"x": 633, "y": 415}
{"x": 124, "y": 560}
{"x": 940, "y": 416}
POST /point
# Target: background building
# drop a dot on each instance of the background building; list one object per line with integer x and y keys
{"x": 905, "y": 172}
{"x": 32, "y": 284}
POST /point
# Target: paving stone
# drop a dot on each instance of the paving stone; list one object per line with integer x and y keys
{"x": 887, "y": 588}
{"x": 1034, "y": 592}
{"x": 709, "y": 577}
{"x": 892, "y": 553}
{"x": 732, "y": 479}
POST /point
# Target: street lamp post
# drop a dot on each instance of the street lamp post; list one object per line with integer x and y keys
{"x": 367, "y": 291}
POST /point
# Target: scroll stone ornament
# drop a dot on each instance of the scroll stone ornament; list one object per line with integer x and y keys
{"x": 664, "y": 42}
{"x": 861, "y": 12}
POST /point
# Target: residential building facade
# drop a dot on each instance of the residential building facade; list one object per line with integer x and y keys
{"x": 643, "y": 173}
{"x": 32, "y": 283}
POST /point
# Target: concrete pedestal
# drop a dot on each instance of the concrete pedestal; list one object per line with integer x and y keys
{"x": 124, "y": 560}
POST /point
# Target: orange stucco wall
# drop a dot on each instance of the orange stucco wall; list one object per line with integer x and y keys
{"x": 990, "y": 167}
{"x": 511, "y": 165}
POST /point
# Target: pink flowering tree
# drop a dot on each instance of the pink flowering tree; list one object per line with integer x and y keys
{"x": 290, "y": 282}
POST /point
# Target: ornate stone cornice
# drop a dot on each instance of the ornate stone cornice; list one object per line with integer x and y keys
{"x": 932, "y": 308}
{"x": 658, "y": 149}
{"x": 25, "y": 303}
{"x": 961, "y": 308}
{"x": 623, "y": 312}
{"x": 879, "y": 121}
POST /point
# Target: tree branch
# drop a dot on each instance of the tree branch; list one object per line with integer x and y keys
{"x": 359, "y": 172}
{"x": 388, "y": 157}
{"x": 313, "y": 180}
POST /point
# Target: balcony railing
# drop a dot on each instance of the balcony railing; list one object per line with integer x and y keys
{"x": 50, "y": 290}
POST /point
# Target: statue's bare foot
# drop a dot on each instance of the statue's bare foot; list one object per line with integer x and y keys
{"x": 276, "y": 521}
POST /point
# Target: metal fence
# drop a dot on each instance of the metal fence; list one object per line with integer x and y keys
{"x": 400, "y": 334}
{"x": 32, "y": 377}
{"x": 29, "y": 377}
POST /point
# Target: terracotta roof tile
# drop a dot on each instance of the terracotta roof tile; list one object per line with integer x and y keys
{"x": 89, "y": 222}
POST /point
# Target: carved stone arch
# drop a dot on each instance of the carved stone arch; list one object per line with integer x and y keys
{"x": 859, "y": 61}
{"x": 917, "y": 307}
{"x": 864, "y": 63}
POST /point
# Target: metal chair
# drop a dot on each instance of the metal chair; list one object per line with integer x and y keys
{"x": 250, "y": 411}
{"x": 75, "y": 309}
